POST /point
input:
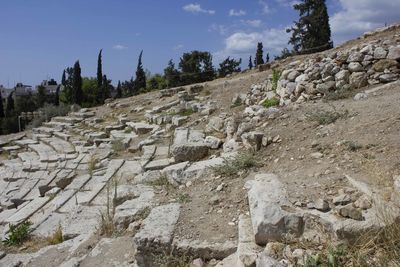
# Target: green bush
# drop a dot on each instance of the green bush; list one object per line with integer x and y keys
{"x": 276, "y": 74}
{"x": 18, "y": 234}
{"x": 242, "y": 162}
{"x": 271, "y": 102}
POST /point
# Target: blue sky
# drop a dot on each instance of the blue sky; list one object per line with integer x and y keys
{"x": 39, "y": 38}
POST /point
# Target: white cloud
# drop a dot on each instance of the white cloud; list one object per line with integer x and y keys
{"x": 253, "y": 23}
{"x": 241, "y": 44}
{"x": 178, "y": 47}
{"x": 196, "y": 8}
{"x": 265, "y": 9}
{"x": 359, "y": 16}
{"x": 119, "y": 47}
{"x": 238, "y": 13}
{"x": 221, "y": 29}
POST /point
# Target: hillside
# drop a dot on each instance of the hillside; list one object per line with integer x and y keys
{"x": 263, "y": 168}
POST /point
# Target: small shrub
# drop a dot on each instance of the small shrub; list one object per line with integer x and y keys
{"x": 184, "y": 198}
{"x": 162, "y": 182}
{"x": 117, "y": 145}
{"x": 186, "y": 112}
{"x": 352, "y": 146}
{"x": 92, "y": 164}
{"x": 271, "y": 102}
{"x": 172, "y": 261}
{"x": 276, "y": 74}
{"x": 127, "y": 130}
{"x": 18, "y": 234}
{"x": 242, "y": 162}
{"x": 338, "y": 94}
{"x": 324, "y": 117}
{"x": 57, "y": 236}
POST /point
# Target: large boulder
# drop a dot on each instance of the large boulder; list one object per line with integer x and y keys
{"x": 383, "y": 64}
{"x": 394, "y": 53}
{"x": 269, "y": 207}
{"x": 358, "y": 79}
{"x": 188, "y": 145}
{"x": 380, "y": 53}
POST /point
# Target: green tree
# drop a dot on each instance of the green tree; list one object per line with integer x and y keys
{"x": 196, "y": 67}
{"x": 140, "y": 81}
{"x": 66, "y": 95}
{"x": 41, "y": 96}
{"x": 10, "y": 105}
{"x": 267, "y": 58}
{"x": 77, "y": 84}
{"x": 119, "y": 90}
{"x": 171, "y": 75}
{"x": 229, "y": 66}
{"x": 107, "y": 87}
{"x": 311, "y": 33}
{"x": 90, "y": 91}
{"x": 250, "y": 63}
{"x": 1, "y": 107}
{"x": 63, "y": 78}
{"x": 284, "y": 54}
{"x": 156, "y": 82}
{"x": 259, "y": 60}
{"x": 57, "y": 96}
{"x": 99, "y": 70}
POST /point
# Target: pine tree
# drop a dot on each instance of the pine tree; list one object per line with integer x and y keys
{"x": 267, "y": 58}
{"x": 259, "y": 60}
{"x": 77, "y": 95}
{"x": 312, "y": 32}
{"x": 63, "y": 78}
{"x": 99, "y": 70}
{"x": 119, "y": 90}
{"x": 10, "y": 105}
{"x": 1, "y": 107}
{"x": 140, "y": 81}
{"x": 229, "y": 66}
{"x": 250, "y": 63}
{"x": 171, "y": 75}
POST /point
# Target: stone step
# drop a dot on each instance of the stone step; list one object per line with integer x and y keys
{"x": 157, "y": 234}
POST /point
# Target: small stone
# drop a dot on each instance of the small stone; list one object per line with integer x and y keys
{"x": 364, "y": 202}
{"x": 342, "y": 199}
{"x": 317, "y": 155}
{"x": 197, "y": 263}
{"x": 274, "y": 249}
{"x": 321, "y": 204}
{"x": 360, "y": 96}
{"x": 220, "y": 187}
{"x": 215, "y": 200}
{"x": 351, "y": 212}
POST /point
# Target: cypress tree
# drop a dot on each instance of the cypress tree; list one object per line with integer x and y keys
{"x": 259, "y": 60}
{"x": 77, "y": 84}
{"x": 99, "y": 70}
{"x": 119, "y": 90}
{"x": 140, "y": 81}
{"x": 1, "y": 107}
{"x": 10, "y": 105}
{"x": 312, "y": 32}
{"x": 267, "y": 59}
{"x": 63, "y": 78}
{"x": 250, "y": 63}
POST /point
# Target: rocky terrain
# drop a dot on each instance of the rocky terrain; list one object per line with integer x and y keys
{"x": 215, "y": 174}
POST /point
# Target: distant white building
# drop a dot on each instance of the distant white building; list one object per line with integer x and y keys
{"x": 23, "y": 89}
{"x": 50, "y": 86}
